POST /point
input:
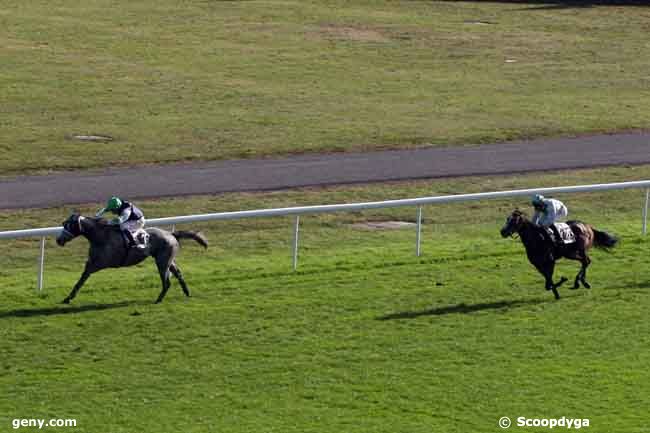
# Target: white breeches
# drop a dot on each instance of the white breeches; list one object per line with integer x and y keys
{"x": 133, "y": 226}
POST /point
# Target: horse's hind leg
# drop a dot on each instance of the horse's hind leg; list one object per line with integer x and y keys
{"x": 583, "y": 278}
{"x": 582, "y": 274}
{"x": 164, "y": 277}
{"x": 163, "y": 264}
{"x": 579, "y": 275}
{"x": 88, "y": 270}
{"x": 179, "y": 276}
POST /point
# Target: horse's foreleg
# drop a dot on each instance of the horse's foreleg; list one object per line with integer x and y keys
{"x": 547, "y": 270}
{"x": 553, "y": 286}
{"x": 179, "y": 276}
{"x": 88, "y": 270}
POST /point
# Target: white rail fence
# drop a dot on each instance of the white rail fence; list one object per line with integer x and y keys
{"x": 297, "y": 211}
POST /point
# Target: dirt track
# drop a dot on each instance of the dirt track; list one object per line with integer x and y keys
{"x": 69, "y": 188}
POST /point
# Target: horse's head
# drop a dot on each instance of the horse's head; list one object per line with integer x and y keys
{"x": 71, "y": 229}
{"x": 513, "y": 223}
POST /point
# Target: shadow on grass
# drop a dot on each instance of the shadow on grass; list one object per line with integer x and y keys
{"x": 462, "y": 309}
{"x": 55, "y": 311}
{"x": 641, "y": 285}
{"x": 569, "y": 4}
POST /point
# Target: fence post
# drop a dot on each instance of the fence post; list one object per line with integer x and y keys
{"x": 645, "y": 211}
{"x": 41, "y": 263}
{"x": 418, "y": 235}
{"x": 295, "y": 242}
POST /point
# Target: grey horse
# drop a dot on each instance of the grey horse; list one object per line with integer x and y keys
{"x": 108, "y": 249}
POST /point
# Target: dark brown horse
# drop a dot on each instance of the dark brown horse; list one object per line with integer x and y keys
{"x": 108, "y": 249}
{"x": 543, "y": 252}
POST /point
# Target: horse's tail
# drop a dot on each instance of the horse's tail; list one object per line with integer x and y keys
{"x": 197, "y": 236}
{"x": 604, "y": 239}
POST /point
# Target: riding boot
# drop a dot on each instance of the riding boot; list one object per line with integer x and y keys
{"x": 550, "y": 234}
{"x": 556, "y": 234}
{"x": 550, "y": 238}
{"x": 129, "y": 238}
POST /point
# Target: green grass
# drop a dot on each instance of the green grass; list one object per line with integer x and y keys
{"x": 208, "y": 80}
{"x": 364, "y": 337}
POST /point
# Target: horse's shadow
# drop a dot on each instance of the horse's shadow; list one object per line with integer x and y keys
{"x": 573, "y": 4}
{"x": 640, "y": 285}
{"x": 462, "y": 309}
{"x": 55, "y": 311}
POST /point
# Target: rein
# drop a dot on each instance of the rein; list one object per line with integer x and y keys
{"x": 81, "y": 230}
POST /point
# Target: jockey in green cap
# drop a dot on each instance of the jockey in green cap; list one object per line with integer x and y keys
{"x": 548, "y": 210}
{"x": 129, "y": 217}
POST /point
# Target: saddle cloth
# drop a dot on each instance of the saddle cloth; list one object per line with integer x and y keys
{"x": 566, "y": 234}
{"x": 141, "y": 237}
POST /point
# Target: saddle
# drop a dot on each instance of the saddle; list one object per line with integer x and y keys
{"x": 561, "y": 234}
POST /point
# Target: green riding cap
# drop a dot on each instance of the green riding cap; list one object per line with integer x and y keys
{"x": 538, "y": 200}
{"x": 114, "y": 203}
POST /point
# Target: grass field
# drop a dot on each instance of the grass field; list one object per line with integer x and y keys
{"x": 207, "y": 80}
{"x": 364, "y": 337}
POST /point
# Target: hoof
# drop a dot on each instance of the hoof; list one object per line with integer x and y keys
{"x": 66, "y": 301}
{"x": 586, "y": 284}
{"x": 575, "y": 286}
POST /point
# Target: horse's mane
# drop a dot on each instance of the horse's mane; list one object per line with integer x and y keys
{"x": 519, "y": 212}
{"x": 103, "y": 222}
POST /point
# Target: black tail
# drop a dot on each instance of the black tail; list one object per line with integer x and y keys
{"x": 604, "y": 239}
{"x": 197, "y": 236}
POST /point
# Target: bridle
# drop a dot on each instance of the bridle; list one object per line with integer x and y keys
{"x": 515, "y": 233}
{"x": 81, "y": 230}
